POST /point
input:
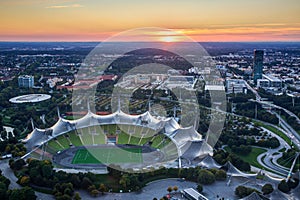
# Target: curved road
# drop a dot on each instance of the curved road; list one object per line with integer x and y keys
{"x": 269, "y": 158}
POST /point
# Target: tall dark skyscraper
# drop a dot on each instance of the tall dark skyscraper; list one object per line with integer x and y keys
{"x": 258, "y": 64}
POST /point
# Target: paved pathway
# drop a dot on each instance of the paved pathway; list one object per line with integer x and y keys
{"x": 270, "y": 160}
{"x": 8, "y": 173}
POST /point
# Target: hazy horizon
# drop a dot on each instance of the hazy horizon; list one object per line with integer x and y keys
{"x": 97, "y": 20}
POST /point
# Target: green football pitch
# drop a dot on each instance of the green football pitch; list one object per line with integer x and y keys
{"x": 108, "y": 156}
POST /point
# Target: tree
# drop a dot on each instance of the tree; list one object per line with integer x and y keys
{"x": 242, "y": 191}
{"x": 86, "y": 182}
{"x": 125, "y": 181}
{"x": 25, "y": 180}
{"x": 47, "y": 171}
{"x": 18, "y": 164}
{"x": 68, "y": 191}
{"x": 3, "y": 190}
{"x": 199, "y": 188}
{"x": 102, "y": 188}
{"x": 25, "y": 193}
{"x": 77, "y": 196}
{"x": 206, "y": 177}
{"x": 91, "y": 188}
{"x": 4, "y": 180}
{"x": 28, "y": 193}
{"x": 169, "y": 189}
{"x": 64, "y": 197}
{"x": 94, "y": 193}
{"x": 283, "y": 186}
{"x": 15, "y": 195}
{"x": 267, "y": 189}
{"x": 75, "y": 181}
{"x": 175, "y": 188}
{"x": 221, "y": 175}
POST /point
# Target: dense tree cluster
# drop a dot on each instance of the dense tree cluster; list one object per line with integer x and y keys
{"x": 242, "y": 191}
{"x": 63, "y": 191}
{"x": 10, "y": 144}
{"x": 242, "y": 149}
{"x": 16, "y": 164}
{"x": 247, "y": 109}
{"x": 222, "y": 157}
{"x": 241, "y": 137}
{"x": 267, "y": 189}
{"x": 206, "y": 177}
{"x": 12, "y": 147}
{"x": 41, "y": 174}
{"x": 272, "y": 142}
{"x": 286, "y": 186}
{"x": 25, "y": 193}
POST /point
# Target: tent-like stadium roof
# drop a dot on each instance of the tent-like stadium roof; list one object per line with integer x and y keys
{"x": 253, "y": 196}
{"x": 233, "y": 171}
{"x": 187, "y": 140}
{"x": 209, "y": 162}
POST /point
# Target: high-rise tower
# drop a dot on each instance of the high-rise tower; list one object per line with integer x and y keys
{"x": 258, "y": 64}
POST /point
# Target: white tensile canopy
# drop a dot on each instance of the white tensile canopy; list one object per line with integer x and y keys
{"x": 187, "y": 140}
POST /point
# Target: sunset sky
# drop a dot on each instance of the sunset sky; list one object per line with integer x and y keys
{"x": 203, "y": 20}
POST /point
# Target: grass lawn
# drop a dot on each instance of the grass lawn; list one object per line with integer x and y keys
{"x": 251, "y": 157}
{"x": 282, "y": 150}
{"x": 288, "y": 163}
{"x": 107, "y": 156}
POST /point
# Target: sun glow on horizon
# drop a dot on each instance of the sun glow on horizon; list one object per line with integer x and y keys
{"x": 169, "y": 39}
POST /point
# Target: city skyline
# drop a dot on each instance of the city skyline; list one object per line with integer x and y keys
{"x": 77, "y": 20}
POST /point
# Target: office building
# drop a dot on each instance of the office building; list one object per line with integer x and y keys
{"x": 26, "y": 81}
{"x": 258, "y": 65}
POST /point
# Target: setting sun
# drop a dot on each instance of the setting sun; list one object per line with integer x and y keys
{"x": 169, "y": 39}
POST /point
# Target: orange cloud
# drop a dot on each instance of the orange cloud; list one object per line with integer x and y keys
{"x": 65, "y": 6}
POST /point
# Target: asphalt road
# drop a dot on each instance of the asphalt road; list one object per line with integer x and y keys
{"x": 270, "y": 160}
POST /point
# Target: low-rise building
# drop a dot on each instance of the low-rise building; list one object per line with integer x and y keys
{"x": 192, "y": 194}
{"x": 236, "y": 86}
{"x": 269, "y": 81}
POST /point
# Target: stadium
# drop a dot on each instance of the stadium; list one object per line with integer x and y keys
{"x": 30, "y": 98}
{"x": 130, "y": 142}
